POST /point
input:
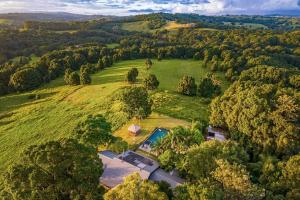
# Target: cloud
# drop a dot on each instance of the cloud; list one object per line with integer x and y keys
{"x": 128, "y": 7}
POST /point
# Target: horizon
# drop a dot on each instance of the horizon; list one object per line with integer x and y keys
{"x": 131, "y": 7}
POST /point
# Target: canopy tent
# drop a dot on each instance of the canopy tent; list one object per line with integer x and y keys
{"x": 135, "y": 129}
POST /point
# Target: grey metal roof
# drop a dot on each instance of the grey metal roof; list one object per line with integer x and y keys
{"x": 161, "y": 175}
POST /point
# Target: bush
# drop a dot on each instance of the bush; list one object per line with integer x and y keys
{"x": 187, "y": 86}
{"x": 151, "y": 82}
{"x": 132, "y": 75}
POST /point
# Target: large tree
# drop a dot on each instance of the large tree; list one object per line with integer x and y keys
{"x": 134, "y": 188}
{"x": 135, "y": 99}
{"x": 236, "y": 182}
{"x": 94, "y": 131}
{"x": 201, "y": 159}
{"x": 187, "y": 86}
{"x": 208, "y": 88}
{"x": 25, "y": 79}
{"x": 61, "y": 169}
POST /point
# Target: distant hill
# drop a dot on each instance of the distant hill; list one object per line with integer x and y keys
{"x": 287, "y": 13}
{"x": 17, "y": 19}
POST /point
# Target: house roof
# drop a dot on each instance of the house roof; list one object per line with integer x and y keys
{"x": 116, "y": 168}
{"x": 134, "y": 128}
{"x": 161, "y": 175}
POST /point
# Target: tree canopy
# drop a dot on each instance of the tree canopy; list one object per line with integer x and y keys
{"x": 61, "y": 169}
{"x": 134, "y": 188}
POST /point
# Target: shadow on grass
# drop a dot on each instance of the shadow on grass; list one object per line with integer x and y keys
{"x": 15, "y": 101}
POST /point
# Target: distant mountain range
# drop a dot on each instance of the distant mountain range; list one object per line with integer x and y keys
{"x": 51, "y": 16}
{"x": 288, "y": 13}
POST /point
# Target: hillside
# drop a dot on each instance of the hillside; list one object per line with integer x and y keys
{"x": 25, "y": 122}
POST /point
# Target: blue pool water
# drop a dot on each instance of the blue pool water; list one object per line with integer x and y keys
{"x": 158, "y": 134}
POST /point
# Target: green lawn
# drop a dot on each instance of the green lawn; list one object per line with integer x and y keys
{"x": 112, "y": 45}
{"x": 148, "y": 125}
{"x": 139, "y": 26}
{"x": 24, "y": 122}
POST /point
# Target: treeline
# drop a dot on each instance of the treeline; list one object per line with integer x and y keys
{"x": 229, "y": 51}
{"x": 225, "y": 22}
{"x": 36, "y": 41}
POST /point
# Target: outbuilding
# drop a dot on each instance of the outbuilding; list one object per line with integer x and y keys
{"x": 134, "y": 129}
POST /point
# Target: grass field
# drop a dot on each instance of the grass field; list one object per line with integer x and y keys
{"x": 5, "y": 21}
{"x": 148, "y": 125}
{"x": 24, "y": 122}
{"x": 142, "y": 26}
{"x": 139, "y": 26}
{"x": 174, "y": 25}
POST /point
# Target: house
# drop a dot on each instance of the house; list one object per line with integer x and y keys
{"x": 117, "y": 167}
{"x": 215, "y": 133}
{"x": 134, "y": 129}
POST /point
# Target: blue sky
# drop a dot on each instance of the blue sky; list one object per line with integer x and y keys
{"x": 129, "y": 7}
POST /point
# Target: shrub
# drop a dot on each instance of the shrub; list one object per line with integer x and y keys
{"x": 151, "y": 82}
{"x": 132, "y": 75}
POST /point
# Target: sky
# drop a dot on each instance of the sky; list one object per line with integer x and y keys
{"x": 131, "y": 7}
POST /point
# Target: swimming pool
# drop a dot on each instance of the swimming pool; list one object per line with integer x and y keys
{"x": 157, "y": 134}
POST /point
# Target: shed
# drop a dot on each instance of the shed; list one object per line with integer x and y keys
{"x": 134, "y": 129}
{"x": 215, "y": 133}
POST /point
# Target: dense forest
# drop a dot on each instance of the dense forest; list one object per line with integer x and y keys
{"x": 260, "y": 110}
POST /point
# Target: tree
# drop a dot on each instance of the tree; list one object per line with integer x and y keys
{"x": 94, "y": 131}
{"x": 151, "y": 82}
{"x": 290, "y": 179}
{"x": 68, "y": 71}
{"x": 197, "y": 56}
{"x": 172, "y": 149}
{"x": 100, "y": 64}
{"x": 61, "y": 169}
{"x": 25, "y": 79}
{"x": 201, "y": 159}
{"x": 132, "y": 75}
{"x": 207, "y": 88}
{"x": 134, "y": 188}
{"x": 204, "y": 189}
{"x": 136, "y": 100}
{"x": 74, "y": 79}
{"x": 85, "y": 78}
{"x": 236, "y": 181}
{"x": 148, "y": 64}
{"x": 272, "y": 125}
{"x": 187, "y": 86}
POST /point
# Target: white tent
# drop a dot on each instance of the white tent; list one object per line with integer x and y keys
{"x": 134, "y": 129}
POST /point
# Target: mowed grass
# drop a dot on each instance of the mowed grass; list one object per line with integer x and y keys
{"x": 25, "y": 122}
{"x": 155, "y": 120}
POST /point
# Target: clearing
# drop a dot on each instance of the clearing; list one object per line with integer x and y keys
{"x": 25, "y": 122}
